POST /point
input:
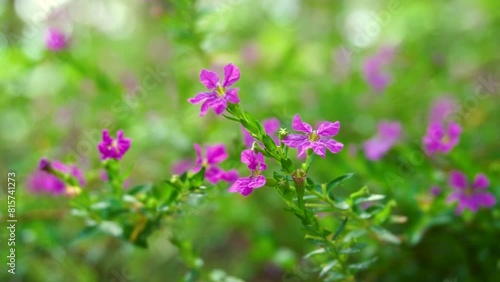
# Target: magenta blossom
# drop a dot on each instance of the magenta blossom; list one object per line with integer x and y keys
{"x": 255, "y": 162}
{"x": 218, "y": 93}
{"x": 42, "y": 181}
{"x": 55, "y": 40}
{"x": 215, "y": 155}
{"x": 442, "y": 109}
{"x": 440, "y": 138}
{"x": 271, "y": 126}
{"x": 113, "y": 148}
{"x": 374, "y": 69}
{"x": 435, "y": 191}
{"x": 470, "y": 196}
{"x": 388, "y": 134}
{"x": 317, "y": 140}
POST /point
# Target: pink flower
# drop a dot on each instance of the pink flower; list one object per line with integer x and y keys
{"x": 215, "y": 155}
{"x": 219, "y": 93}
{"x": 471, "y": 197}
{"x": 44, "y": 181}
{"x": 388, "y": 134}
{"x": 442, "y": 109}
{"x": 55, "y": 40}
{"x": 113, "y": 148}
{"x": 317, "y": 140}
{"x": 255, "y": 162}
{"x": 271, "y": 126}
{"x": 374, "y": 69}
{"x": 440, "y": 138}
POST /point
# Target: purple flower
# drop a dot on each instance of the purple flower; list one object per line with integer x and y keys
{"x": 113, "y": 148}
{"x": 271, "y": 126}
{"x": 43, "y": 181}
{"x": 317, "y": 140}
{"x": 218, "y": 93}
{"x": 388, "y": 134}
{"x": 471, "y": 197}
{"x": 374, "y": 69}
{"x": 256, "y": 163}
{"x": 440, "y": 138}
{"x": 442, "y": 109}
{"x": 55, "y": 40}
{"x": 215, "y": 155}
{"x": 435, "y": 191}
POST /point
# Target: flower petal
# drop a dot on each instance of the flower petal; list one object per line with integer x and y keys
{"x": 214, "y": 174}
{"x": 257, "y": 182}
{"x": 480, "y": 181}
{"x": 209, "y": 79}
{"x": 295, "y": 140}
{"x": 218, "y": 105}
{"x": 333, "y": 146}
{"x": 232, "y": 96}
{"x": 201, "y": 97}
{"x": 328, "y": 129}
{"x": 216, "y": 154}
{"x": 319, "y": 149}
{"x": 230, "y": 176}
{"x": 247, "y": 157}
{"x": 299, "y": 125}
{"x": 231, "y": 75}
{"x": 199, "y": 158}
{"x": 484, "y": 199}
{"x": 271, "y": 125}
{"x": 458, "y": 180}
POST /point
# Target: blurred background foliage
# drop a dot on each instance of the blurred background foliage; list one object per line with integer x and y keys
{"x": 131, "y": 65}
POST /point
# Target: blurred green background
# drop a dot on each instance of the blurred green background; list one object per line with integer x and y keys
{"x": 132, "y": 65}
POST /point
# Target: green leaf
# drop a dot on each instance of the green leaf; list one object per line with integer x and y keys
{"x": 328, "y": 267}
{"x": 337, "y": 181}
{"x": 86, "y": 232}
{"x": 269, "y": 143}
{"x": 315, "y": 252}
{"x": 341, "y": 205}
{"x": 385, "y": 235}
{"x": 356, "y": 248}
{"x": 197, "y": 179}
{"x": 339, "y": 230}
{"x": 287, "y": 165}
{"x": 384, "y": 214}
{"x": 252, "y": 125}
{"x": 370, "y": 198}
{"x": 334, "y": 276}
{"x": 231, "y": 118}
{"x": 363, "y": 265}
{"x": 140, "y": 188}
